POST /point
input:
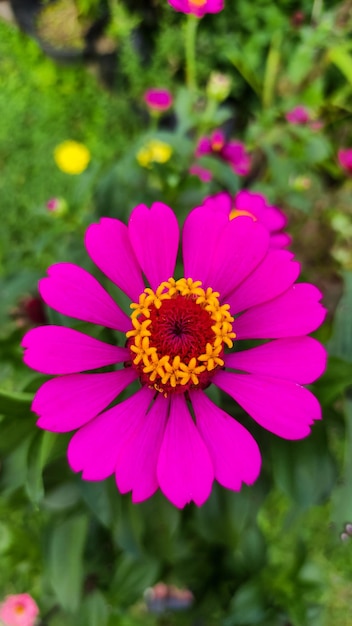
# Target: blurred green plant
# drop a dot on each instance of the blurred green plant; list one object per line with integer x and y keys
{"x": 270, "y": 555}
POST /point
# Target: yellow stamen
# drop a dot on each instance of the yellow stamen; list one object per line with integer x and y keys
{"x": 238, "y": 213}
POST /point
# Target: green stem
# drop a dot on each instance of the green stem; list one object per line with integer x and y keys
{"x": 190, "y": 49}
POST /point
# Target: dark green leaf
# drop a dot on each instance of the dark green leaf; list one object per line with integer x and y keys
{"x": 15, "y": 404}
{"x": 65, "y": 565}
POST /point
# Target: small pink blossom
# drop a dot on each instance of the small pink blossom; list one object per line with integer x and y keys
{"x": 345, "y": 159}
{"x": 298, "y": 115}
{"x": 19, "y": 610}
{"x": 233, "y": 152}
{"x": 57, "y": 206}
{"x": 203, "y": 174}
{"x": 164, "y": 597}
{"x": 197, "y": 7}
{"x": 255, "y": 205}
{"x": 158, "y": 100}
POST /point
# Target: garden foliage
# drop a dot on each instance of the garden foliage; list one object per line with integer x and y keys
{"x": 276, "y": 80}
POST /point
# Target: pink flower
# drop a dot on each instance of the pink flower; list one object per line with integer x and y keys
{"x": 233, "y": 152}
{"x": 19, "y": 610}
{"x": 345, "y": 159}
{"x": 158, "y": 100}
{"x": 203, "y": 174}
{"x": 197, "y": 7}
{"x": 163, "y": 597}
{"x": 256, "y": 206}
{"x": 299, "y": 115}
{"x": 177, "y": 340}
{"x": 57, "y": 206}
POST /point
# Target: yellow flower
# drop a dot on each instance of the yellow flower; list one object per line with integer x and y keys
{"x": 71, "y": 157}
{"x": 154, "y": 151}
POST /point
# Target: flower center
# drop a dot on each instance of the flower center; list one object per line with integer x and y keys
{"x": 19, "y": 609}
{"x": 197, "y": 3}
{"x": 178, "y": 337}
{"x": 217, "y": 145}
{"x": 238, "y": 213}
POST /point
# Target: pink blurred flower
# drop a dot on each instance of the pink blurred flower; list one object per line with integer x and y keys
{"x": 301, "y": 116}
{"x": 19, "y": 610}
{"x": 256, "y": 206}
{"x": 163, "y": 597}
{"x": 233, "y": 152}
{"x": 298, "y": 115}
{"x": 345, "y": 159}
{"x": 158, "y": 100}
{"x": 197, "y": 7}
{"x": 57, "y": 206}
{"x": 29, "y": 311}
{"x": 177, "y": 340}
{"x": 297, "y": 19}
{"x": 203, "y": 174}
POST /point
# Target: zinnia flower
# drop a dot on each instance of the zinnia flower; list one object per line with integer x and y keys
{"x": 154, "y": 151}
{"x": 345, "y": 159}
{"x": 201, "y": 172}
{"x": 178, "y": 340}
{"x": 72, "y": 157}
{"x": 299, "y": 115}
{"x": 197, "y": 7}
{"x": 233, "y": 152}
{"x": 256, "y": 206}
{"x": 18, "y": 610}
{"x": 158, "y": 100}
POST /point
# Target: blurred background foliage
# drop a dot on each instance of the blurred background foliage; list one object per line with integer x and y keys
{"x": 277, "y": 554}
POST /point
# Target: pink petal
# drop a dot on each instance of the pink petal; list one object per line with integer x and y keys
{"x": 234, "y": 452}
{"x": 95, "y": 447}
{"x": 242, "y": 244}
{"x": 274, "y": 275}
{"x": 154, "y": 235}
{"x": 137, "y": 459}
{"x": 201, "y": 232}
{"x": 72, "y": 291}
{"x": 221, "y": 201}
{"x": 300, "y": 359}
{"x": 66, "y": 403}
{"x": 281, "y": 406}
{"x": 185, "y": 471}
{"x": 280, "y": 240}
{"x": 203, "y": 147}
{"x": 295, "y": 313}
{"x": 109, "y": 246}
{"x": 60, "y": 350}
{"x": 274, "y": 218}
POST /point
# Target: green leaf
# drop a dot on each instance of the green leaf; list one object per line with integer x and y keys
{"x": 342, "y": 496}
{"x": 271, "y": 70}
{"x": 340, "y": 344}
{"x": 94, "y": 610}
{"x": 38, "y": 456}
{"x": 247, "y": 606}
{"x": 340, "y": 57}
{"x": 132, "y": 577}
{"x": 242, "y": 66}
{"x": 65, "y": 560}
{"x": 334, "y": 382}
{"x": 15, "y": 404}
{"x": 304, "y": 470}
{"x": 102, "y": 499}
{"x": 222, "y": 172}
